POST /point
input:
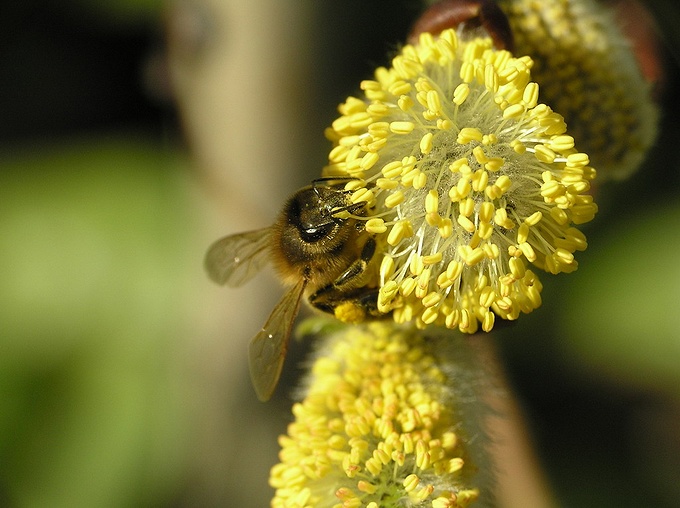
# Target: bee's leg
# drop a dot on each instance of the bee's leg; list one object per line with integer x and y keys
{"x": 353, "y": 307}
{"x": 348, "y": 286}
{"x": 358, "y": 268}
{"x": 368, "y": 301}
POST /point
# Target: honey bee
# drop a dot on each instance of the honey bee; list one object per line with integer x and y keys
{"x": 319, "y": 247}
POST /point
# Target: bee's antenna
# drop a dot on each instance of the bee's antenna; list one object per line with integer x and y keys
{"x": 333, "y": 178}
{"x": 326, "y": 179}
{"x": 354, "y": 207}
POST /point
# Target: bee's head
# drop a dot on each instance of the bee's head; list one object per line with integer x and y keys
{"x": 314, "y": 222}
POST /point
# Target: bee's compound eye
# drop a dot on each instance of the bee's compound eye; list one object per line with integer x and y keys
{"x": 316, "y": 232}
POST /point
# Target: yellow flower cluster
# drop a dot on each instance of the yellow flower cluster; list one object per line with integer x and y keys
{"x": 377, "y": 429}
{"x": 588, "y": 73}
{"x": 468, "y": 180}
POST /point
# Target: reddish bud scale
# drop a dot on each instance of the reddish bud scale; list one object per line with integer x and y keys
{"x": 471, "y": 14}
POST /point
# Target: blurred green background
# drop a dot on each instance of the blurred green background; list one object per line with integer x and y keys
{"x": 123, "y": 376}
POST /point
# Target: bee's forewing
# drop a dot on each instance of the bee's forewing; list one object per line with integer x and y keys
{"x": 268, "y": 348}
{"x": 235, "y": 259}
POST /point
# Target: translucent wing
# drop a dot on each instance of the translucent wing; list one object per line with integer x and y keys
{"x": 268, "y": 348}
{"x": 235, "y": 259}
